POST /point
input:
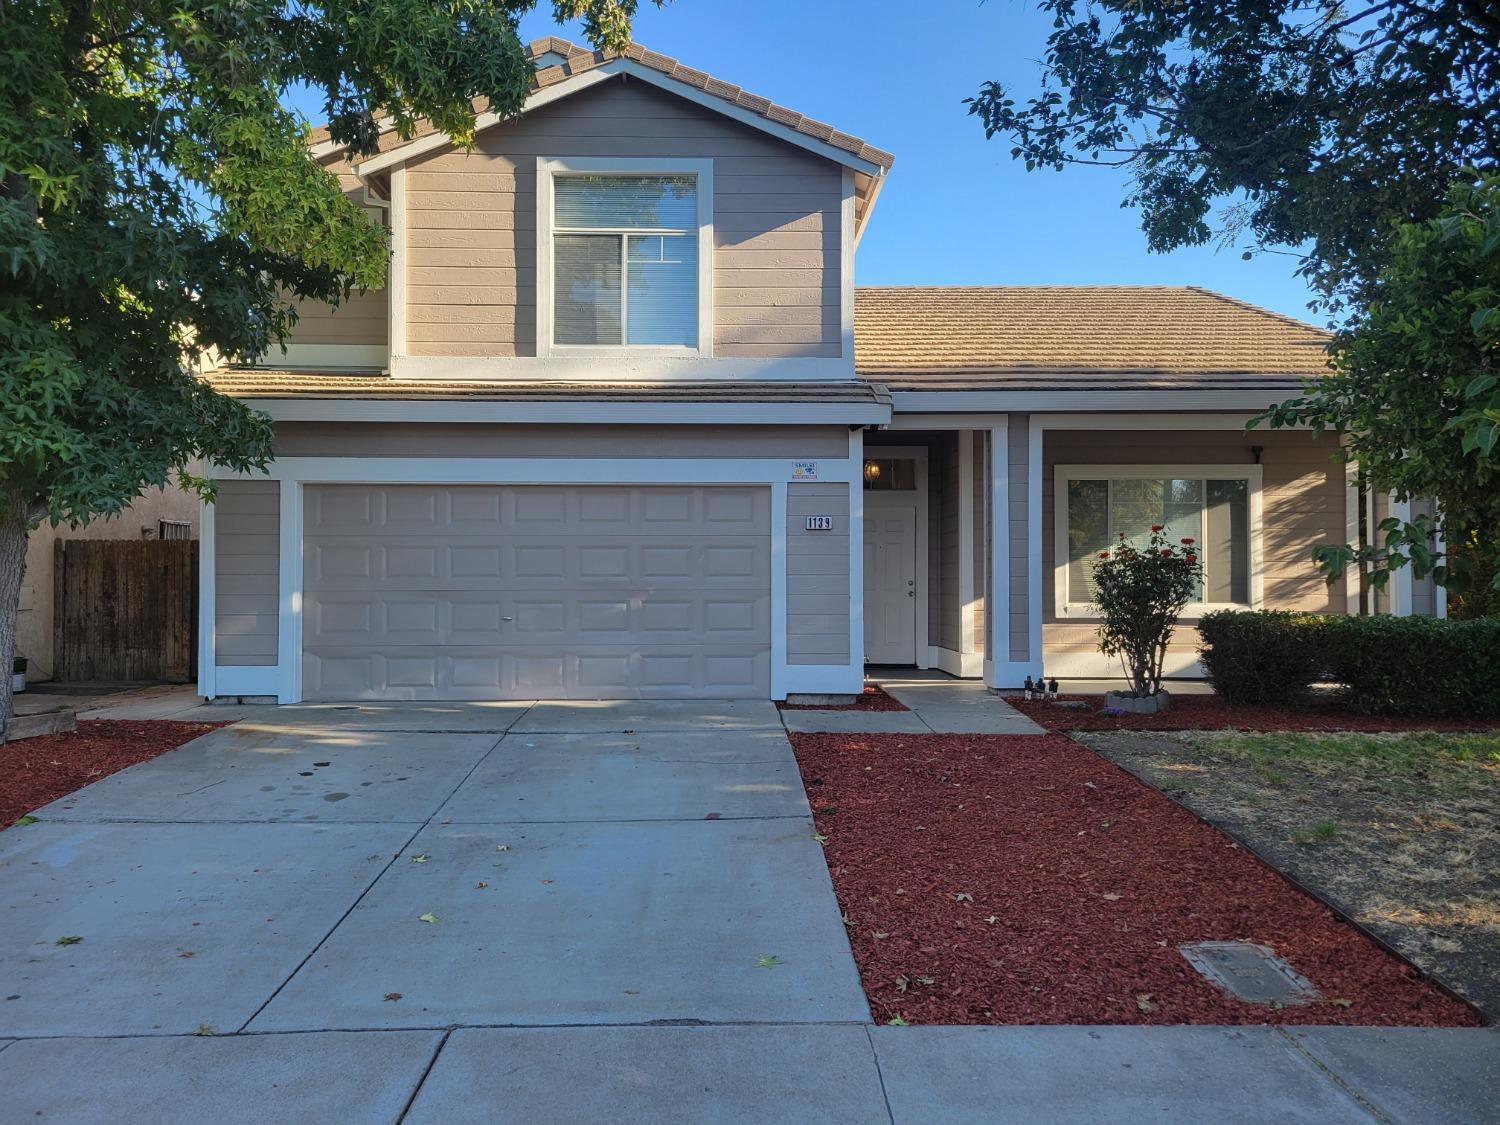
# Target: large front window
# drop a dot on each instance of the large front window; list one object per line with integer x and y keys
{"x": 1211, "y": 509}
{"x": 625, "y": 260}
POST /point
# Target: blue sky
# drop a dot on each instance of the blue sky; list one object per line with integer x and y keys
{"x": 957, "y": 209}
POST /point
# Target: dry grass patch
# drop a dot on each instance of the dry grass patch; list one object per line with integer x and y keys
{"x": 1400, "y": 831}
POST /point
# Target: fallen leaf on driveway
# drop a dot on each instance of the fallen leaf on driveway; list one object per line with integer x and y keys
{"x": 768, "y": 962}
{"x": 393, "y": 995}
{"x": 71, "y": 939}
{"x": 428, "y": 917}
{"x": 419, "y": 858}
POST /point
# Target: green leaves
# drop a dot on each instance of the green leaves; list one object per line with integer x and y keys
{"x": 1272, "y": 125}
{"x": 1416, "y": 394}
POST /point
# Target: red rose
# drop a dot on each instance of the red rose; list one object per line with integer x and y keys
{"x": 1156, "y": 527}
{"x": 1104, "y": 554}
{"x": 1187, "y": 542}
{"x": 1166, "y": 553}
{"x": 1192, "y": 558}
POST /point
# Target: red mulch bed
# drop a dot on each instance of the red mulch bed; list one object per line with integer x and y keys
{"x": 35, "y": 771}
{"x": 1015, "y": 880}
{"x": 1210, "y": 712}
{"x": 871, "y": 699}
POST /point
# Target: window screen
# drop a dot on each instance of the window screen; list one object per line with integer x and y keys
{"x": 1214, "y": 513}
{"x": 625, "y": 260}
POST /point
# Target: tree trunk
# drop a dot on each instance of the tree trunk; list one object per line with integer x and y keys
{"x": 14, "y": 526}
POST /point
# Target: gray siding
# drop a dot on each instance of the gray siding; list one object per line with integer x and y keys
{"x": 1018, "y": 437}
{"x": 817, "y": 574}
{"x": 950, "y": 614}
{"x": 247, "y": 533}
{"x": 471, "y": 227}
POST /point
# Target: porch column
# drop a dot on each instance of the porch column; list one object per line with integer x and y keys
{"x": 1402, "y": 585}
{"x": 1015, "y": 525}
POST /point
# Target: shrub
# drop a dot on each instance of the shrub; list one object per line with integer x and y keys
{"x": 1416, "y": 665}
{"x": 1140, "y": 592}
{"x": 1265, "y": 657}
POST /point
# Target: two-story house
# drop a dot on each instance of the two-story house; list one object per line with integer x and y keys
{"x": 621, "y": 425}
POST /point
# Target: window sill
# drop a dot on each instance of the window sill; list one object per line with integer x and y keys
{"x": 1085, "y": 613}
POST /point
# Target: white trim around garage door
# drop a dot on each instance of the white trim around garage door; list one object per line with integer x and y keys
{"x": 295, "y": 473}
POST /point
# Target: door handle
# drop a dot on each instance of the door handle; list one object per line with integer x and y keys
{"x": 507, "y": 619}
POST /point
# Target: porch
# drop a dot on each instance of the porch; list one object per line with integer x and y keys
{"x": 970, "y": 520}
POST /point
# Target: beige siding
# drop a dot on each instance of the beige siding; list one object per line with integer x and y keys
{"x": 360, "y": 319}
{"x": 817, "y": 574}
{"x": 481, "y": 439}
{"x": 471, "y": 240}
{"x": 1302, "y": 496}
{"x": 247, "y": 533}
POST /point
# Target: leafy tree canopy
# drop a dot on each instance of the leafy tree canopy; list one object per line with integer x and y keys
{"x": 158, "y": 208}
{"x": 1287, "y": 123}
{"x": 1416, "y": 394}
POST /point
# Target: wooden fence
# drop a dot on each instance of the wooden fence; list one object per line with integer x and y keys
{"x": 125, "y": 610}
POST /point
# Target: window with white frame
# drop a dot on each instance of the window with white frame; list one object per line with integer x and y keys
{"x": 625, "y": 259}
{"x": 1215, "y": 507}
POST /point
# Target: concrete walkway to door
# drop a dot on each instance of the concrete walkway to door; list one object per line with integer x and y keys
{"x": 545, "y": 913}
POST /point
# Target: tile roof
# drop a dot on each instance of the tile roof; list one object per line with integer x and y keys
{"x": 580, "y": 60}
{"x": 939, "y": 337}
{"x": 264, "y": 383}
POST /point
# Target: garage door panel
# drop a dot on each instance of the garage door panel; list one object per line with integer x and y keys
{"x": 455, "y": 673}
{"x": 332, "y": 565}
{"x": 480, "y": 592}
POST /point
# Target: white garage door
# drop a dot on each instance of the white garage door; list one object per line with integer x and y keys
{"x": 532, "y": 591}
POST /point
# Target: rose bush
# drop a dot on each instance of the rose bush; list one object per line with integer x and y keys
{"x": 1140, "y": 592}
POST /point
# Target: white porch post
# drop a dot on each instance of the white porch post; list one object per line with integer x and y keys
{"x": 1401, "y": 588}
{"x": 1015, "y": 522}
{"x": 997, "y": 651}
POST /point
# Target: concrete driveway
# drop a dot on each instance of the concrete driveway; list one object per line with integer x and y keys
{"x": 539, "y": 913}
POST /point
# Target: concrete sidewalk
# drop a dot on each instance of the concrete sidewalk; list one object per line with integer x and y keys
{"x": 935, "y": 704}
{"x": 798, "y": 1074}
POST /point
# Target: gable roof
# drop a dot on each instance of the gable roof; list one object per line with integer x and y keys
{"x": 571, "y": 69}
{"x": 934, "y": 337}
{"x": 576, "y": 60}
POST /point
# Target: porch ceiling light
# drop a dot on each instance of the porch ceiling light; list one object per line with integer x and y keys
{"x": 872, "y": 470}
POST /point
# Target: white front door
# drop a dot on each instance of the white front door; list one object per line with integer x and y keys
{"x": 890, "y": 583}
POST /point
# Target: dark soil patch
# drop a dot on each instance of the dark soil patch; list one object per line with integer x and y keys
{"x": 871, "y": 699}
{"x": 1400, "y": 832}
{"x": 1024, "y": 879}
{"x": 35, "y": 771}
{"x": 1209, "y": 712}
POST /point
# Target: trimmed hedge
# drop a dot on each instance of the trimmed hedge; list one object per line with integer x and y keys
{"x": 1416, "y": 665}
{"x": 1261, "y": 657}
{"x": 1386, "y": 665}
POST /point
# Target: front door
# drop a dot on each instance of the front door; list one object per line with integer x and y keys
{"x": 890, "y": 583}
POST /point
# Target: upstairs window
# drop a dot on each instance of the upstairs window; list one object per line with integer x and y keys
{"x": 625, "y": 259}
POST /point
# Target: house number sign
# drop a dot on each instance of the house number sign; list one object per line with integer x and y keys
{"x": 819, "y": 523}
